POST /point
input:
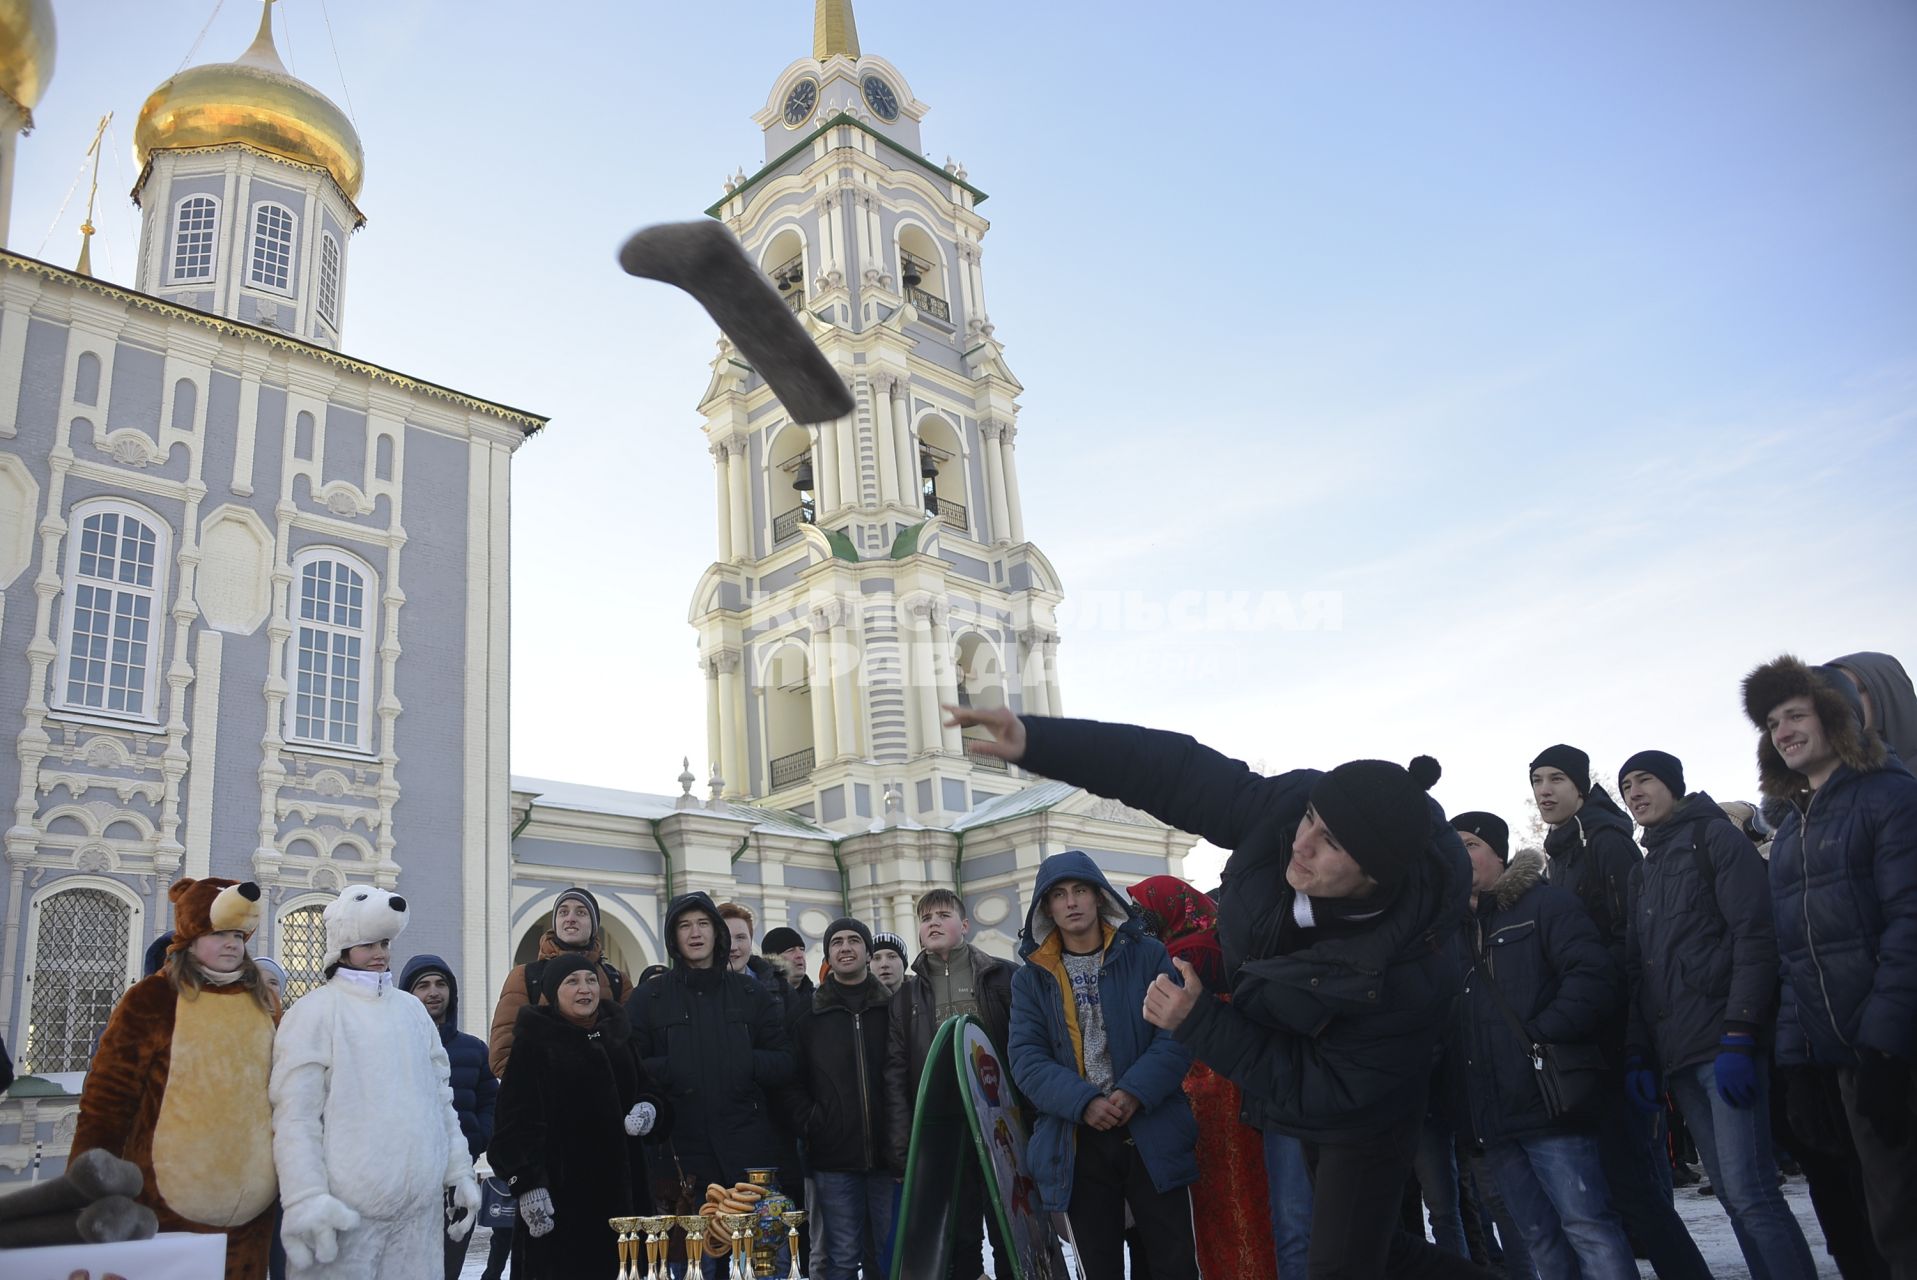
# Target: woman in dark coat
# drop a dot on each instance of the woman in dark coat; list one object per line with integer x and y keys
{"x": 572, "y": 1111}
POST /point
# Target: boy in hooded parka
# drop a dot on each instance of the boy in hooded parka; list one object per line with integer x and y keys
{"x": 1113, "y": 1129}
{"x": 431, "y": 981}
{"x": 1843, "y": 875}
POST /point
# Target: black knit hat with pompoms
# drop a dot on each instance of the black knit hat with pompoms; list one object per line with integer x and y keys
{"x": 1378, "y": 811}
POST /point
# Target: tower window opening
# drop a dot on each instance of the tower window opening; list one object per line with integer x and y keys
{"x": 789, "y": 279}
{"x": 193, "y": 233}
{"x": 329, "y": 280}
{"x": 272, "y": 247}
{"x": 786, "y": 524}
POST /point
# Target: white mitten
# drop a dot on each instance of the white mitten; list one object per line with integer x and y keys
{"x": 535, "y": 1210}
{"x": 639, "y": 1120}
{"x": 310, "y": 1230}
{"x": 464, "y": 1210}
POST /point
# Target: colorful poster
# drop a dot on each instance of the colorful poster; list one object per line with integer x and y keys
{"x": 998, "y": 1129}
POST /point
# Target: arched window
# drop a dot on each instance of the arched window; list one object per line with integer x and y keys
{"x": 116, "y": 571}
{"x": 788, "y": 714}
{"x": 302, "y": 950}
{"x": 195, "y": 225}
{"x": 272, "y": 248}
{"x": 332, "y": 691}
{"x": 922, "y": 273}
{"x": 793, "y": 493}
{"x": 784, "y": 262}
{"x": 81, "y": 955}
{"x": 329, "y": 280}
{"x": 942, "y": 473}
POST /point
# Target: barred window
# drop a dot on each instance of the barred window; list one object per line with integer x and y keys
{"x": 80, "y": 958}
{"x": 330, "y": 688}
{"x": 116, "y": 566}
{"x": 273, "y": 247}
{"x": 302, "y": 952}
{"x": 193, "y": 234}
{"x": 329, "y": 280}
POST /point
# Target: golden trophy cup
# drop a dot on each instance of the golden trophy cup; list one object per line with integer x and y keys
{"x": 740, "y": 1225}
{"x": 694, "y": 1225}
{"x": 628, "y": 1229}
{"x": 656, "y": 1228}
{"x": 794, "y": 1219}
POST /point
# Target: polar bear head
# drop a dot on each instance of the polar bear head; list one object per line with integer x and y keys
{"x": 360, "y": 914}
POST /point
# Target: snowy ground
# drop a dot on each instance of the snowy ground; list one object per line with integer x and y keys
{"x": 1709, "y": 1227}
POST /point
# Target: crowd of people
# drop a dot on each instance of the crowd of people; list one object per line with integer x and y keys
{"x": 1384, "y": 1016}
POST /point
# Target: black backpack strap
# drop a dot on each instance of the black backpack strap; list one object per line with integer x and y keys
{"x": 534, "y": 968}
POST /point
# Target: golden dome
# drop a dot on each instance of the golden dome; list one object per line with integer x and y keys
{"x": 26, "y": 51}
{"x": 253, "y": 100}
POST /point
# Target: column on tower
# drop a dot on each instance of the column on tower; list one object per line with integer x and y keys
{"x": 879, "y": 392}
{"x": 825, "y": 468}
{"x": 845, "y": 432}
{"x": 833, "y": 620}
{"x": 715, "y": 734}
{"x": 1031, "y": 673}
{"x": 1055, "y": 706}
{"x": 820, "y": 677}
{"x": 946, "y": 675}
{"x": 902, "y": 441}
{"x": 1012, "y": 502}
{"x": 724, "y": 500}
{"x": 731, "y": 721}
{"x": 741, "y": 503}
{"x": 993, "y": 432}
{"x": 923, "y": 675}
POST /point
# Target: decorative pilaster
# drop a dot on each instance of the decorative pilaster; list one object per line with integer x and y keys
{"x": 825, "y": 468}
{"x": 715, "y": 739}
{"x": 831, "y": 626}
{"x": 879, "y": 391}
{"x": 740, "y": 503}
{"x": 818, "y": 677}
{"x": 993, "y": 432}
{"x": 902, "y": 441}
{"x": 1013, "y": 504}
{"x": 1032, "y": 674}
{"x": 846, "y": 437}
{"x": 731, "y": 721}
{"x": 946, "y": 674}
{"x": 724, "y": 500}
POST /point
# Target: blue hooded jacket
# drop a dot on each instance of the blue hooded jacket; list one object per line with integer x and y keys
{"x": 1047, "y": 1050}
{"x": 475, "y": 1088}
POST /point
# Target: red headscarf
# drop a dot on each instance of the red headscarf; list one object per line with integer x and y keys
{"x": 1187, "y": 924}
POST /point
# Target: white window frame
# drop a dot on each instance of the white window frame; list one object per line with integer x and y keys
{"x": 136, "y": 939}
{"x": 155, "y": 594}
{"x": 253, "y": 279}
{"x": 212, "y": 242}
{"x": 329, "y": 277}
{"x": 365, "y": 633}
{"x": 302, "y": 902}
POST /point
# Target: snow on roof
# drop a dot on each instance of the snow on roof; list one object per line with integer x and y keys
{"x": 1034, "y": 799}
{"x": 577, "y": 796}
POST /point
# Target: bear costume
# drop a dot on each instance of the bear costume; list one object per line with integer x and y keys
{"x": 178, "y": 1087}
{"x": 364, "y": 1130}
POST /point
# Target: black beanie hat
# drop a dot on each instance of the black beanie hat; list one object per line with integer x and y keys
{"x": 847, "y": 922}
{"x": 780, "y": 940}
{"x": 1488, "y": 827}
{"x": 883, "y": 941}
{"x": 1662, "y": 765}
{"x": 557, "y": 970}
{"x": 1569, "y": 761}
{"x": 1378, "y": 812}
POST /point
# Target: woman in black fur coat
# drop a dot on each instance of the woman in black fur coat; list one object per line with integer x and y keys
{"x": 572, "y": 1113}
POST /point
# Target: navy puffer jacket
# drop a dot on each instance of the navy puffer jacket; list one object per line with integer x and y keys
{"x": 1560, "y": 981}
{"x": 475, "y": 1088}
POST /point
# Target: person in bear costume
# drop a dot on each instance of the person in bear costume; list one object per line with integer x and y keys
{"x": 178, "y": 1086}
{"x": 364, "y": 1131}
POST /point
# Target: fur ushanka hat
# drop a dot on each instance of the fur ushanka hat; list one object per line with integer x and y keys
{"x": 1835, "y": 702}
{"x": 212, "y": 905}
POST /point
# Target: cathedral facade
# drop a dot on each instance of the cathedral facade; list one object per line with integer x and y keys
{"x": 253, "y": 591}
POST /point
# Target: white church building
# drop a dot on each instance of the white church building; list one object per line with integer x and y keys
{"x": 254, "y": 600}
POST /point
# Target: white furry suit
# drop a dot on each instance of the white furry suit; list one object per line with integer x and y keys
{"x": 364, "y": 1132}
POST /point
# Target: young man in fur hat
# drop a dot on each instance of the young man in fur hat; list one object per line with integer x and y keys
{"x": 575, "y": 931}
{"x": 1702, "y": 964}
{"x": 1843, "y": 877}
{"x": 1593, "y": 857}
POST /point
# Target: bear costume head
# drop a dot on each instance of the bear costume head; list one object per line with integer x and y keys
{"x": 212, "y": 905}
{"x": 359, "y": 915}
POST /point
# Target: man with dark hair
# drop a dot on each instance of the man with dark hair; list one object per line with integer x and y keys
{"x": 837, "y": 1105}
{"x": 575, "y": 930}
{"x": 950, "y": 977}
{"x": 475, "y": 1089}
{"x": 1843, "y": 880}
{"x": 715, "y": 1042}
{"x": 1702, "y": 962}
{"x": 1344, "y": 895}
{"x": 784, "y": 949}
{"x": 1593, "y": 857}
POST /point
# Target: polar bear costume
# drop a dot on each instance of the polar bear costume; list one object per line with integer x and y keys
{"x": 364, "y": 1132}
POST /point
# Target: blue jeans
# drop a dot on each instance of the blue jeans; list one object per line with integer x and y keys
{"x": 854, "y": 1223}
{"x": 1436, "y": 1168}
{"x": 1560, "y": 1172}
{"x": 1735, "y": 1143}
{"x": 1289, "y": 1184}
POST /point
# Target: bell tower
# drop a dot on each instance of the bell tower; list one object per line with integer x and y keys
{"x": 872, "y": 568}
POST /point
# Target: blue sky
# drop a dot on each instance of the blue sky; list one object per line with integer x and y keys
{"x": 1574, "y": 347}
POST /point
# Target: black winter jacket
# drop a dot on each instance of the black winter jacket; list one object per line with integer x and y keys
{"x": 1592, "y": 857}
{"x": 474, "y": 1086}
{"x": 1700, "y": 953}
{"x": 715, "y": 1041}
{"x": 1336, "y": 1039}
{"x": 837, "y": 1104}
{"x": 1559, "y": 980}
{"x": 911, "y": 1026}
{"x": 562, "y": 1113}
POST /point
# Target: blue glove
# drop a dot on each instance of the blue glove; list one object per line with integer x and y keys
{"x": 1736, "y": 1068}
{"x": 1641, "y": 1086}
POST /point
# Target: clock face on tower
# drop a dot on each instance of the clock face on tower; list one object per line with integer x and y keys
{"x": 799, "y": 102}
{"x": 879, "y": 97}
